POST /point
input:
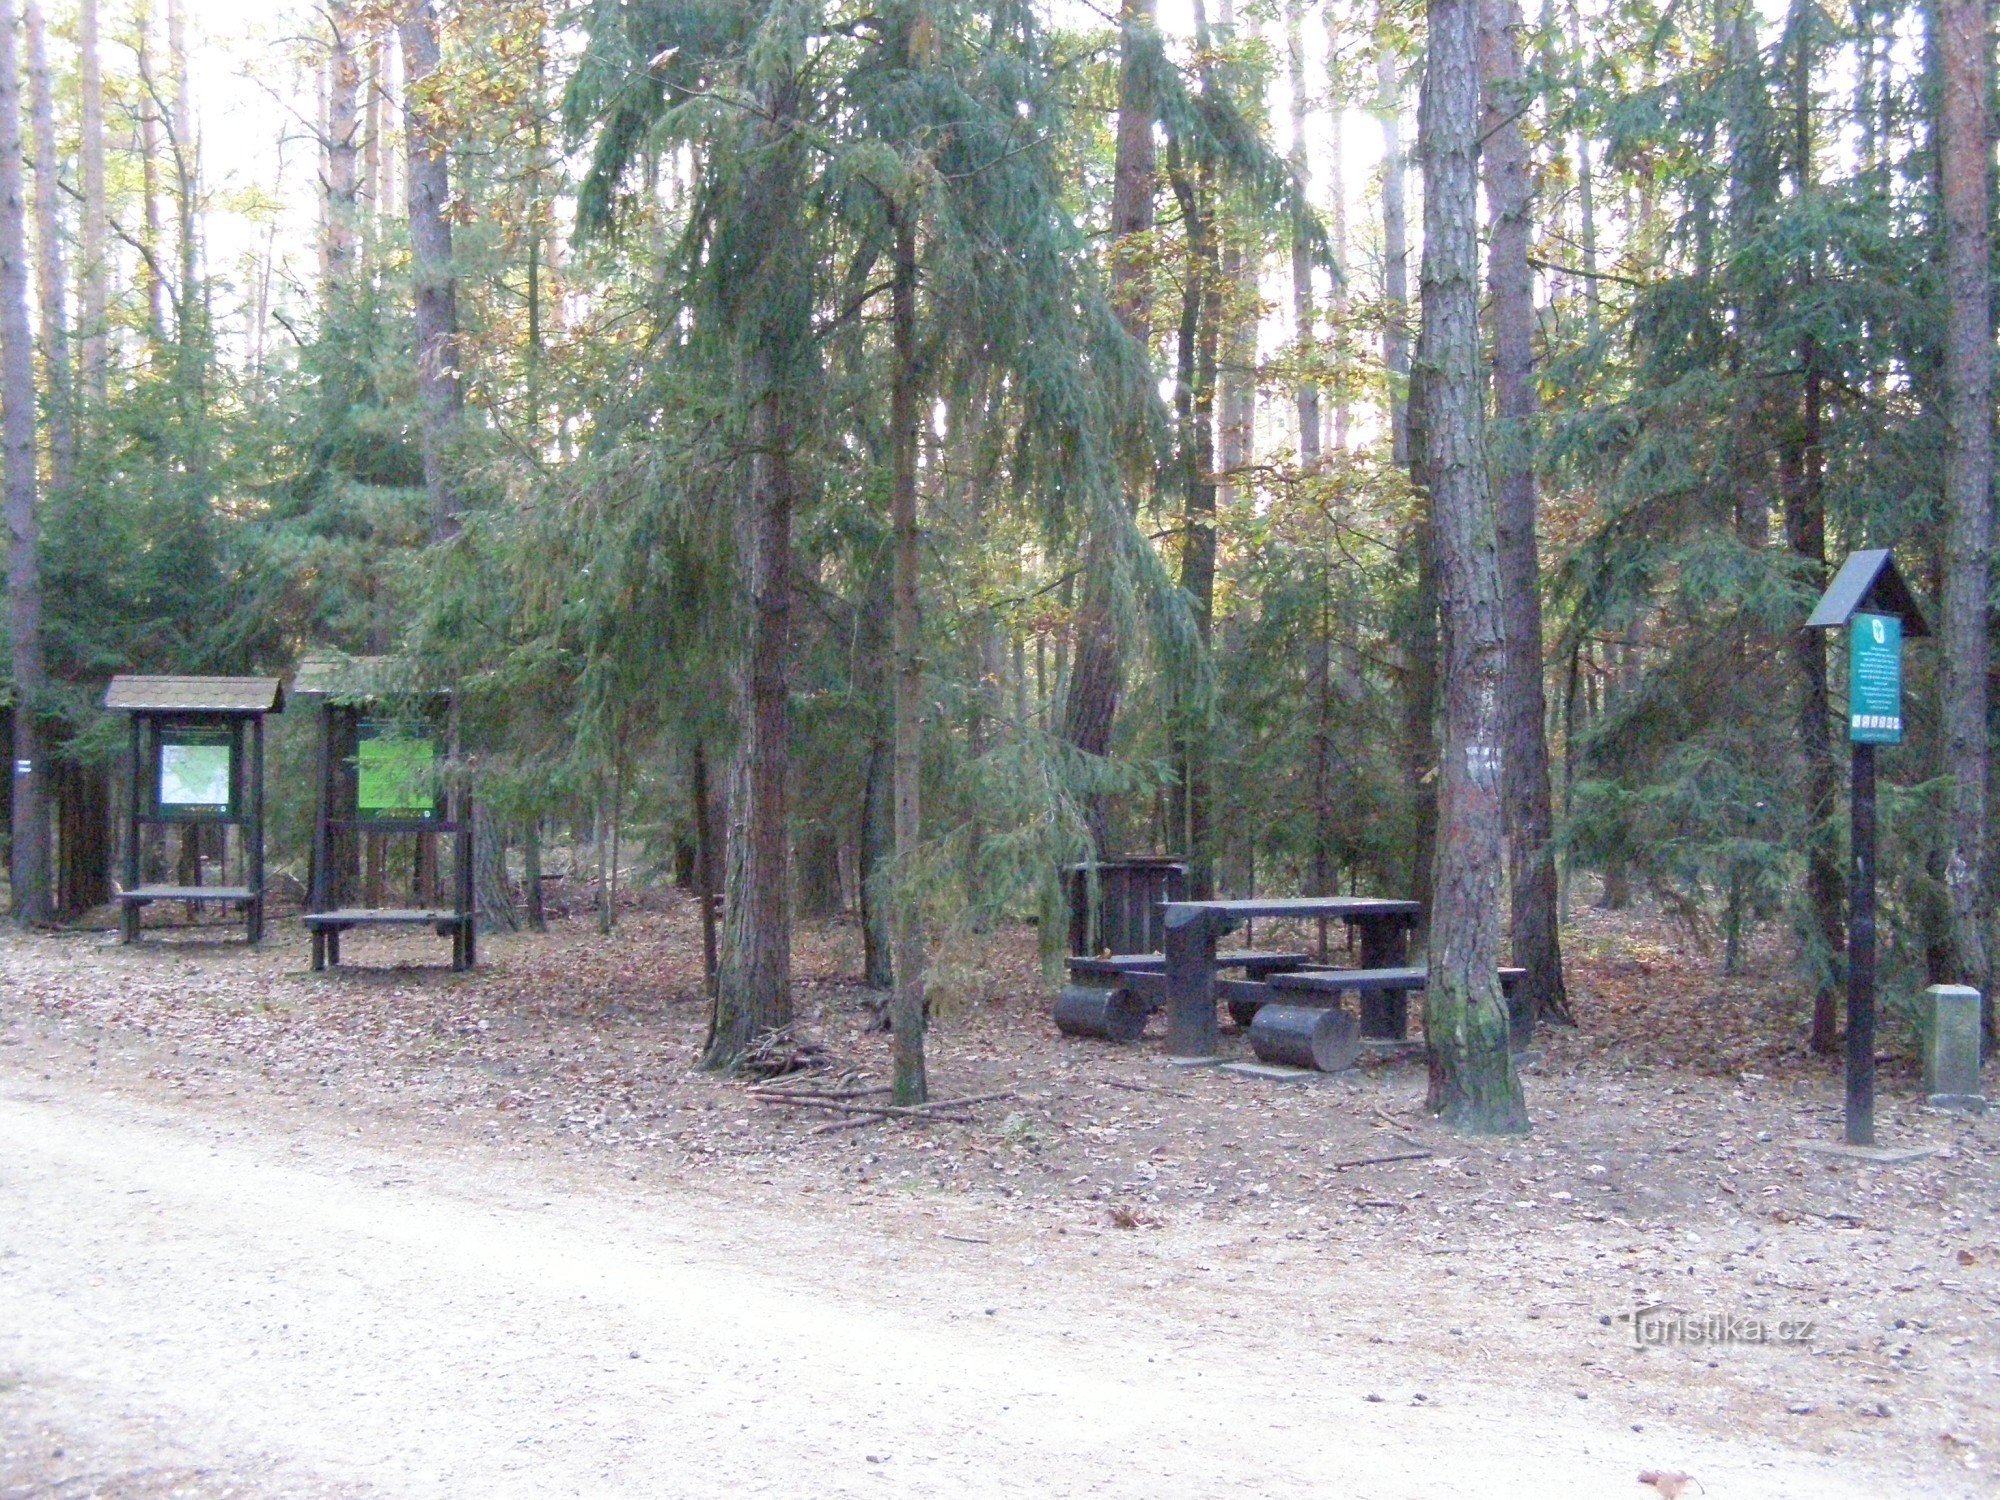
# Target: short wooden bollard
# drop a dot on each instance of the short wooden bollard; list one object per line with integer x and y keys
{"x": 1086, "y": 1010}
{"x": 1951, "y": 1048}
{"x": 1306, "y": 1036}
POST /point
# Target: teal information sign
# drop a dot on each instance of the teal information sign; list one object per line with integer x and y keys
{"x": 1875, "y": 680}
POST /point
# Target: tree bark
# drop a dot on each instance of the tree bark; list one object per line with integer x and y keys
{"x": 906, "y": 999}
{"x": 1805, "y": 530}
{"x": 82, "y": 795}
{"x": 876, "y": 837}
{"x": 1395, "y": 241}
{"x": 149, "y": 176}
{"x": 1473, "y": 1085}
{"x": 439, "y": 392}
{"x": 1802, "y": 467}
{"x": 492, "y": 891}
{"x": 30, "y": 859}
{"x": 1965, "y": 148}
{"x": 343, "y": 127}
{"x": 95, "y": 270}
{"x": 1303, "y": 314}
{"x": 754, "y": 985}
{"x": 771, "y": 321}
{"x": 1097, "y": 674}
{"x": 49, "y": 259}
{"x": 1530, "y": 820}
{"x": 1336, "y": 191}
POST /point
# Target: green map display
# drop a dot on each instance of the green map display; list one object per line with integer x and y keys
{"x": 397, "y": 772}
{"x": 194, "y": 776}
{"x": 1875, "y": 680}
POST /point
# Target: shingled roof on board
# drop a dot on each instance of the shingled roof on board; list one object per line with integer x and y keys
{"x": 216, "y": 695}
{"x": 1869, "y": 581}
{"x": 356, "y": 679}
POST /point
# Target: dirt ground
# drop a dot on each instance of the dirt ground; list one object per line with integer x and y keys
{"x": 1317, "y": 1234}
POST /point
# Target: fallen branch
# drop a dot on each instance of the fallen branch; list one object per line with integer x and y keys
{"x": 876, "y": 1118}
{"x": 927, "y": 1107}
{"x": 1147, "y": 1088}
{"x": 818, "y": 1094}
{"x": 1377, "y": 1161}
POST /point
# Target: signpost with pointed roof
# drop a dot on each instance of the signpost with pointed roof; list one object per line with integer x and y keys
{"x": 1869, "y": 599}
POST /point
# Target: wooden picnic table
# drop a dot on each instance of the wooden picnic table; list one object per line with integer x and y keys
{"x": 1192, "y": 928}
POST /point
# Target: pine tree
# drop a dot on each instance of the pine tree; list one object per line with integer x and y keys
{"x": 29, "y": 870}
{"x": 1472, "y": 1080}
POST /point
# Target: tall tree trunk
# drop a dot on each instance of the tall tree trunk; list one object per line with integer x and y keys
{"x": 906, "y": 1000}
{"x": 1236, "y": 369}
{"x": 1336, "y": 191}
{"x": 1802, "y": 466}
{"x": 343, "y": 144}
{"x": 492, "y": 891}
{"x": 1307, "y": 396}
{"x": 439, "y": 392}
{"x": 1473, "y": 1084}
{"x": 1530, "y": 821}
{"x": 1395, "y": 239}
{"x": 876, "y": 841}
{"x": 149, "y": 176}
{"x": 754, "y": 987}
{"x": 1197, "y": 347}
{"x": 187, "y": 163}
{"x": 1965, "y": 149}
{"x": 1097, "y": 674}
{"x": 1586, "y": 188}
{"x": 49, "y": 259}
{"x": 773, "y": 330}
{"x": 30, "y": 862}
{"x": 371, "y": 137}
{"x": 95, "y": 270}
{"x": 83, "y": 839}
{"x": 1805, "y": 529}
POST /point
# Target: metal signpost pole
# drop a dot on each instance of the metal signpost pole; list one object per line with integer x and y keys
{"x": 1874, "y": 717}
{"x": 1861, "y": 955}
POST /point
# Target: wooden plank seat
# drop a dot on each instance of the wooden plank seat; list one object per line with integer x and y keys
{"x": 142, "y": 895}
{"x": 1384, "y": 994}
{"x": 1255, "y": 963}
{"x": 327, "y": 926}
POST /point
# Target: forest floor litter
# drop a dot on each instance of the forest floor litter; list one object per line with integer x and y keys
{"x": 1325, "y": 1233}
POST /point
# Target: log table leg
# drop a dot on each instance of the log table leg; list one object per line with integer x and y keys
{"x": 1190, "y": 950}
{"x": 1385, "y": 944}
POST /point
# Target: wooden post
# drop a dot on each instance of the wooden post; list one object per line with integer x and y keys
{"x": 1861, "y": 954}
{"x": 253, "y": 854}
{"x": 130, "y": 912}
{"x": 322, "y": 810}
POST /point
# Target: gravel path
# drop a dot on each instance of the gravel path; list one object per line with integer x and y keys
{"x": 196, "y": 1307}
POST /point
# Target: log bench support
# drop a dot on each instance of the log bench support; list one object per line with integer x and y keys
{"x": 327, "y": 926}
{"x": 1323, "y": 1037}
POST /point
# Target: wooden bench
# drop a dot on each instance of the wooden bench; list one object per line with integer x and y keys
{"x": 327, "y": 926}
{"x": 132, "y": 903}
{"x": 1110, "y": 996}
{"x": 1384, "y": 994}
